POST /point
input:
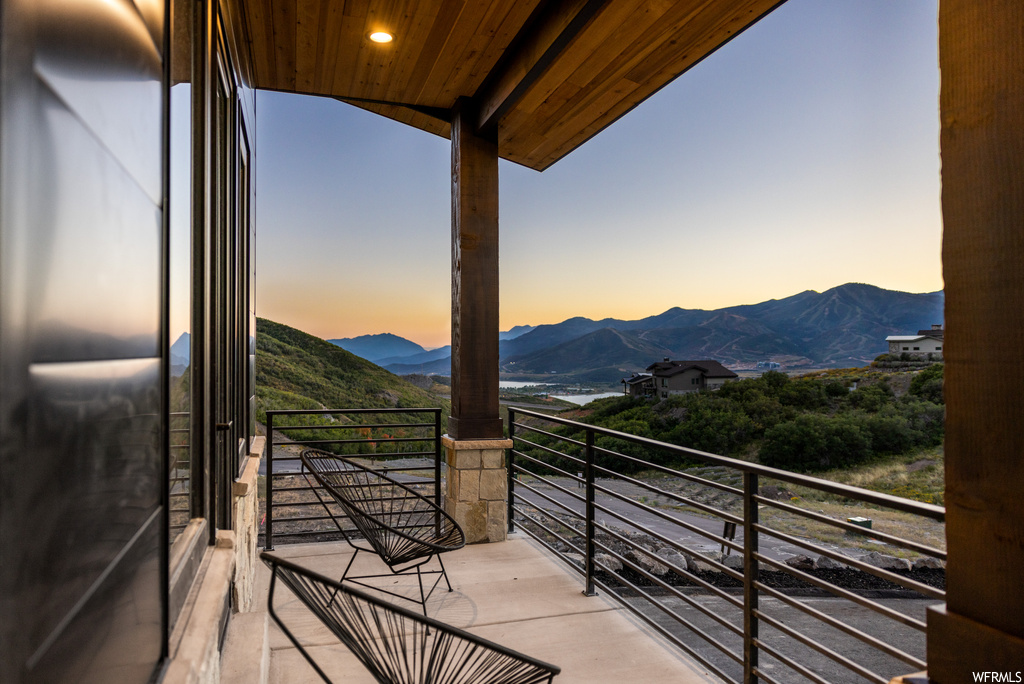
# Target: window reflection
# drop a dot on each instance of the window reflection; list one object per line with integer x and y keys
{"x": 180, "y": 303}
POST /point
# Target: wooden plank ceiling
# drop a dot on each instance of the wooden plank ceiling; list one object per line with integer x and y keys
{"x": 549, "y": 74}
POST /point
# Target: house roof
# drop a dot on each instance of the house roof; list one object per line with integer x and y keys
{"x": 905, "y": 338}
{"x": 708, "y": 367}
{"x": 547, "y": 74}
{"x": 638, "y": 378}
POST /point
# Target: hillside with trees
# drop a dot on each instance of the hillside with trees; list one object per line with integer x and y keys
{"x": 830, "y": 421}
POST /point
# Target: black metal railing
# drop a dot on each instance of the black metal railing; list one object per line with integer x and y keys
{"x": 653, "y": 541}
{"x": 408, "y": 445}
{"x": 180, "y": 476}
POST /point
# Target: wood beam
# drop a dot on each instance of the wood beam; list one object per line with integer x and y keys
{"x": 474, "y": 279}
{"x": 545, "y": 36}
{"x": 981, "y": 56}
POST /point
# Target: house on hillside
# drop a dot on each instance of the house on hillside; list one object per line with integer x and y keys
{"x": 924, "y": 342}
{"x": 677, "y": 377}
{"x": 639, "y": 385}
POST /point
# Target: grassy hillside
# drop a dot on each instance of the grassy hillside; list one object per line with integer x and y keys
{"x": 295, "y": 370}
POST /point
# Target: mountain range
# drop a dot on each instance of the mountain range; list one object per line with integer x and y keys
{"x": 841, "y": 327}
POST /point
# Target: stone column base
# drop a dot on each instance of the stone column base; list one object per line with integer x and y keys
{"x": 477, "y": 487}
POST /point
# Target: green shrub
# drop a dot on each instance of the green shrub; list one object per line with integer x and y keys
{"x": 808, "y": 395}
{"x": 927, "y": 384}
{"x": 871, "y": 398}
{"x": 816, "y": 442}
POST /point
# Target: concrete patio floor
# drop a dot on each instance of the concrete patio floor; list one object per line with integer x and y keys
{"x": 513, "y": 593}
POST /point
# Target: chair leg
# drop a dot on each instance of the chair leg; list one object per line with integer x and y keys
{"x": 423, "y": 598}
{"x": 350, "y": 562}
{"x": 444, "y": 573}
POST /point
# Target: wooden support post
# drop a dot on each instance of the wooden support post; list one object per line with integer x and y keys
{"x": 474, "y": 279}
{"x": 981, "y": 56}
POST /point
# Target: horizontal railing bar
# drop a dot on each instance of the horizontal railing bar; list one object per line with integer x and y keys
{"x": 403, "y": 468}
{"x": 681, "y": 523}
{"x": 882, "y": 536}
{"x": 762, "y": 677}
{"x": 672, "y": 590}
{"x": 312, "y": 518}
{"x": 320, "y": 489}
{"x": 693, "y": 653}
{"x": 665, "y": 516}
{"x": 679, "y": 618}
{"x": 287, "y": 504}
{"x": 518, "y": 468}
{"x": 296, "y": 412}
{"x": 308, "y": 533}
{"x": 842, "y": 626}
{"x": 553, "y": 452}
{"x": 305, "y": 504}
{"x": 785, "y": 660}
{"x": 382, "y": 467}
{"x": 843, "y": 593}
{"x": 365, "y": 440}
{"x": 550, "y": 500}
{"x": 887, "y": 500}
{"x": 821, "y": 648}
{"x": 552, "y": 435}
{"x": 354, "y": 426}
{"x": 670, "y": 471}
{"x": 542, "y": 542}
{"x": 677, "y": 497}
{"x": 736, "y": 603}
{"x": 531, "y": 459}
{"x": 887, "y": 575}
{"x": 692, "y": 528}
{"x": 550, "y": 531}
{"x": 537, "y": 522}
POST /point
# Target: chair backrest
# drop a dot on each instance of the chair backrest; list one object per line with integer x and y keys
{"x": 397, "y": 645}
{"x": 398, "y": 522}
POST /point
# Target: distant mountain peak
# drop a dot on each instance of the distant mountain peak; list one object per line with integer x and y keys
{"x": 379, "y": 346}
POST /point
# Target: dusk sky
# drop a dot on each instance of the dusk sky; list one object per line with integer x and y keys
{"x": 802, "y": 155}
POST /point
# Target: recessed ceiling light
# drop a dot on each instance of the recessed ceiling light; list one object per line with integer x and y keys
{"x": 381, "y": 37}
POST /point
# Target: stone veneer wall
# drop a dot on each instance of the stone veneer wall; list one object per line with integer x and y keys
{"x": 476, "y": 491}
{"x": 246, "y": 526}
{"x": 229, "y": 567}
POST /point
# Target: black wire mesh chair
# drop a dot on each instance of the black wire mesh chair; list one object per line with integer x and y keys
{"x": 397, "y": 645}
{"x": 400, "y": 525}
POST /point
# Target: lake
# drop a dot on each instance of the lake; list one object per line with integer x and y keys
{"x": 582, "y": 399}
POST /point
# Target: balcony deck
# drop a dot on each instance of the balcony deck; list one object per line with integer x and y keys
{"x": 513, "y": 593}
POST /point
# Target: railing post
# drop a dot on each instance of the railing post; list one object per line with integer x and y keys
{"x": 509, "y": 460}
{"x": 437, "y": 457}
{"x": 589, "y": 475}
{"x": 269, "y": 506}
{"x": 750, "y": 576}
